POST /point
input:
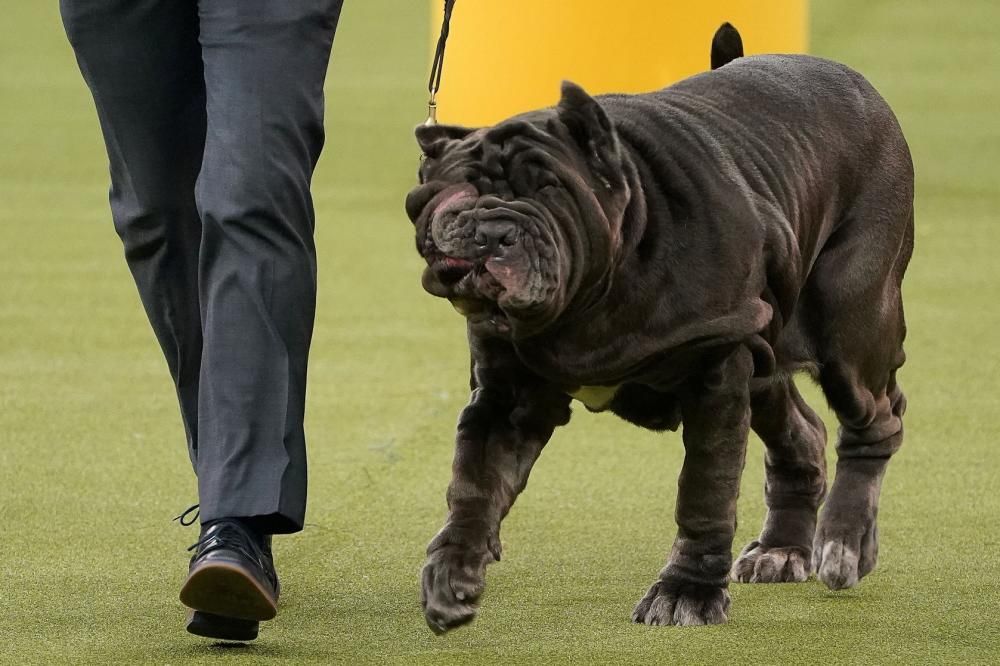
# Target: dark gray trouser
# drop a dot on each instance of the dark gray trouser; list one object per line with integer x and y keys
{"x": 212, "y": 113}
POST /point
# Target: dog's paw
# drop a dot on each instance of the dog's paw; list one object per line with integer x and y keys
{"x": 684, "y": 608}
{"x": 452, "y": 581}
{"x": 841, "y": 557}
{"x": 759, "y": 564}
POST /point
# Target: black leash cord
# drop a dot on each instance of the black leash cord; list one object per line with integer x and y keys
{"x": 434, "y": 84}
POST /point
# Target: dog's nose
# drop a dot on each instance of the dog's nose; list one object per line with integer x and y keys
{"x": 491, "y": 235}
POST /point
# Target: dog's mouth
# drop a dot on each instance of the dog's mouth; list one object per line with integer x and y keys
{"x": 449, "y": 270}
{"x": 472, "y": 290}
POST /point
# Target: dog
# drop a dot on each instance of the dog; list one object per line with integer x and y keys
{"x": 674, "y": 258}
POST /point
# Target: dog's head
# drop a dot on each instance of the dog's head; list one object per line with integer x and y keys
{"x": 519, "y": 221}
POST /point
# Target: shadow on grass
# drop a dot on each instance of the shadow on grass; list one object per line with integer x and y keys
{"x": 241, "y": 651}
{"x": 227, "y": 646}
{"x": 842, "y": 596}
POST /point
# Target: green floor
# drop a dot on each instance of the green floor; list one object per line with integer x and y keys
{"x": 93, "y": 466}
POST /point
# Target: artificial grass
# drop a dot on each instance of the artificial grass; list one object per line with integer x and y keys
{"x": 93, "y": 465}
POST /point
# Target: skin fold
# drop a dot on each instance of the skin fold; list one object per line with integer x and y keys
{"x": 674, "y": 257}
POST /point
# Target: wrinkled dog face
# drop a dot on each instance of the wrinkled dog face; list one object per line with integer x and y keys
{"x": 520, "y": 220}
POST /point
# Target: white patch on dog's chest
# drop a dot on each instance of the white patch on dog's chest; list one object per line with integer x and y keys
{"x": 596, "y": 398}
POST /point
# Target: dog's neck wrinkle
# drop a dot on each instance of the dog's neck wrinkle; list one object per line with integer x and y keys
{"x": 596, "y": 305}
{"x": 592, "y": 296}
{"x": 636, "y": 217}
{"x": 662, "y": 190}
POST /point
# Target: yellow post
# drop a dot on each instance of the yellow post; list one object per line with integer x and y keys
{"x": 509, "y": 56}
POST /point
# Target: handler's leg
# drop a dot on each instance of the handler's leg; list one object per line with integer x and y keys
{"x": 692, "y": 587}
{"x": 142, "y": 63}
{"x": 265, "y": 63}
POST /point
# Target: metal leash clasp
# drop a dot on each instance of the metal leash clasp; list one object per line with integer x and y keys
{"x": 432, "y": 119}
{"x": 432, "y": 112}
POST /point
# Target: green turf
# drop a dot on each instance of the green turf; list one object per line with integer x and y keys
{"x": 93, "y": 466}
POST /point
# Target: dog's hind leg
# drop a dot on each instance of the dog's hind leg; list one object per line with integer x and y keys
{"x": 846, "y": 542}
{"x": 857, "y": 290}
{"x": 501, "y": 433}
{"x": 795, "y": 485}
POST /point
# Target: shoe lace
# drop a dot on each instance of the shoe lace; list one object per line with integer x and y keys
{"x": 183, "y": 518}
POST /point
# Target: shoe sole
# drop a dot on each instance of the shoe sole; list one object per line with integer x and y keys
{"x": 229, "y": 591}
{"x": 222, "y": 628}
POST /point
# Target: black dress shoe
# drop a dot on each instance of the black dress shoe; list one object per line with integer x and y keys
{"x": 231, "y": 576}
{"x": 221, "y": 627}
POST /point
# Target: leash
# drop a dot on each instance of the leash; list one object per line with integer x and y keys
{"x": 434, "y": 84}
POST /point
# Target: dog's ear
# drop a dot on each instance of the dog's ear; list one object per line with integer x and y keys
{"x": 591, "y": 129}
{"x": 433, "y": 138}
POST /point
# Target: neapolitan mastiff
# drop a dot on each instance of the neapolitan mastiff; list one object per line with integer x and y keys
{"x": 674, "y": 257}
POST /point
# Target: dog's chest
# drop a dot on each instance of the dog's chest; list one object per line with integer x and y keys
{"x": 596, "y": 398}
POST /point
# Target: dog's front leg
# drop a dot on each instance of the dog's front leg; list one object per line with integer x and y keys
{"x": 501, "y": 433}
{"x": 716, "y": 414}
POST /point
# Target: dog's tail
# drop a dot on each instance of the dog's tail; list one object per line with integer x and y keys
{"x": 727, "y": 45}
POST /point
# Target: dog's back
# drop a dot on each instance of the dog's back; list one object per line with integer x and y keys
{"x": 795, "y": 133}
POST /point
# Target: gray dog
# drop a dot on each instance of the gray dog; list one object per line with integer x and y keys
{"x": 674, "y": 257}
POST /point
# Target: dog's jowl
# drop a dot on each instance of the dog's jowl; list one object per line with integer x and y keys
{"x": 675, "y": 257}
